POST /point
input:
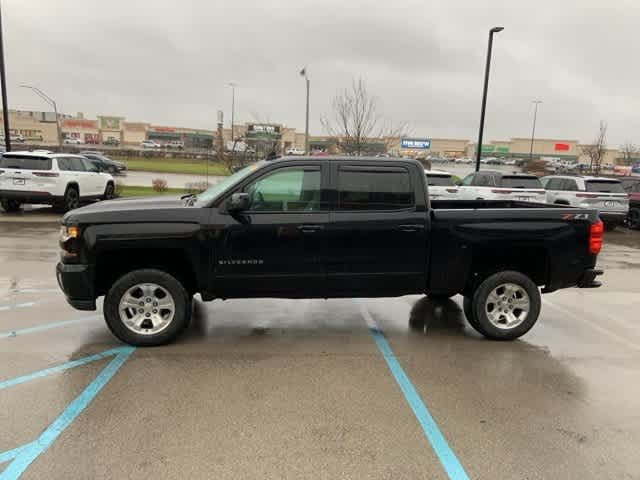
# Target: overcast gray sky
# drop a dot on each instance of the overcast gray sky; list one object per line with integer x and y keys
{"x": 168, "y": 62}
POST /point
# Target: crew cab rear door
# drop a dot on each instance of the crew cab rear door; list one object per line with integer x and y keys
{"x": 377, "y": 238}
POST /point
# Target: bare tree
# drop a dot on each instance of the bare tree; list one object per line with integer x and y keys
{"x": 596, "y": 151}
{"x": 355, "y": 120}
{"x": 629, "y": 152}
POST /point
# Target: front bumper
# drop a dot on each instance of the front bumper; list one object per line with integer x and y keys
{"x": 76, "y": 281}
{"x": 588, "y": 279}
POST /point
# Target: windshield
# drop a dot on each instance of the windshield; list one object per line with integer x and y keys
{"x": 519, "y": 181}
{"x": 215, "y": 190}
{"x": 604, "y": 186}
{"x": 439, "y": 180}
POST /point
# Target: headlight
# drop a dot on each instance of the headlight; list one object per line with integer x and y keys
{"x": 68, "y": 232}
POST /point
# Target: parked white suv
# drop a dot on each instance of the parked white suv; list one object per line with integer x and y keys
{"x": 441, "y": 185}
{"x": 493, "y": 185}
{"x": 61, "y": 180}
{"x": 294, "y": 151}
{"x": 605, "y": 194}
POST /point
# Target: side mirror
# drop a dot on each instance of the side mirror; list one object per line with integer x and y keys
{"x": 238, "y": 202}
{"x": 95, "y": 170}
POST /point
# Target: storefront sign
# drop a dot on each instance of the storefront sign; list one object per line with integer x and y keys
{"x": 561, "y": 147}
{"x": 415, "y": 143}
{"x": 79, "y": 123}
{"x": 109, "y": 123}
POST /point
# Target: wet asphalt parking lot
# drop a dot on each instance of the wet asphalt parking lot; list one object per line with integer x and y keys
{"x": 291, "y": 389}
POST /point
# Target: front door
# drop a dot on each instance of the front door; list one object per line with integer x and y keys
{"x": 276, "y": 247}
{"x": 377, "y": 239}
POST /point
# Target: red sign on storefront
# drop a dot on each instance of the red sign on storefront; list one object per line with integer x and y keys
{"x": 561, "y": 147}
{"x": 79, "y": 123}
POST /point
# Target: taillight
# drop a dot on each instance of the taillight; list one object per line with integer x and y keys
{"x": 586, "y": 195}
{"x": 494, "y": 190}
{"x": 46, "y": 174}
{"x": 595, "y": 237}
{"x": 452, "y": 190}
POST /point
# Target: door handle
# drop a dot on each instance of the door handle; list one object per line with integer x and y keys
{"x": 310, "y": 228}
{"x": 411, "y": 228}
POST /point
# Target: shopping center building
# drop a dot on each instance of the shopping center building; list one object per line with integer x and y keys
{"x": 40, "y": 128}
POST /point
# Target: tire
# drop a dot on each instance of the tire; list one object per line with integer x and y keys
{"x": 10, "y": 205}
{"x": 634, "y": 218}
{"x": 71, "y": 199}
{"x": 522, "y": 305}
{"x": 108, "y": 191}
{"x": 468, "y": 312}
{"x": 158, "y": 326}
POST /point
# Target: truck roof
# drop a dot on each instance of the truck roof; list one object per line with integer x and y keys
{"x": 340, "y": 157}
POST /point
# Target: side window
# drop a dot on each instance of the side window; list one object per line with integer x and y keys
{"x": 468, "y": 180}
{"x": 90, "y": 165}
{"x": 554, "y": 184}
{"x": 382, "y": 188}
{"x": 483, "y": 180}
{"x": 64, "y": 164}
{"x": 76, "y": 164}
{"x": 569, "y": 185}
{"x": 286, "y": 190}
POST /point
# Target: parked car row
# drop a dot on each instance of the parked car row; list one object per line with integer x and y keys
{"x": 171, "y": 144}
{"x": 615, "y": 204}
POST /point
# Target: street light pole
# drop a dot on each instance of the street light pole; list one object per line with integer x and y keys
{"x": 533, "y": 130}
{"x": 5, "y": 106}
{"x": 51, "y": 102}
{"x": 484, "y": 95}
{"x": 303, "y": 72}
{"x": 233, "y": 108}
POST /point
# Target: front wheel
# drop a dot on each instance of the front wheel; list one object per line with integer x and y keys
{"x": 634, "y": 218}
{"x": 10, "y": 205}
{"x": 108, "y": 192}
{"x": 505, "y": 306}
{"x": 147, "y": 308}
{"x": 71, "y": 199}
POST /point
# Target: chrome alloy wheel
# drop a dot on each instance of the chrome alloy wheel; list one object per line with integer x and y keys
{"x": 146, "y": 308}
{"x": 507, "y": 306}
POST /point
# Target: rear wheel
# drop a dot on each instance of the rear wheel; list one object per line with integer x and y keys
{"x": 505, "y": 306}
{"x": 147, "y": 308}
{"x": 10, "y": 205}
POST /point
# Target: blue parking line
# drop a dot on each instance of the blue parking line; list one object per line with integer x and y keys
{"x": 59, "y": 368}
{"x": 11, "y": 454}
{"x": 31, "y": 451}
{"x": 46, "y": 326}
{"x": 4, "y": 308}
{"x": 448, "y": 459}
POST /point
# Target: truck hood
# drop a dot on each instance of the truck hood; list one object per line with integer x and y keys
{"x": 126, "y": 210}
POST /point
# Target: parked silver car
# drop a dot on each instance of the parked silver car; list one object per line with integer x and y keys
{"x": 605, "y": 194}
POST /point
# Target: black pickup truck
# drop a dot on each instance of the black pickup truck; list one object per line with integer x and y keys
{"x": 321, "y": 227}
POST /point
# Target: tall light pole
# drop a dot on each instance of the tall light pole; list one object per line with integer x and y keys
{"x": 5, "y": 106}
{"x": 484, "y": 95}
{"x": 303, "y": 72}
{"x": 533, "y": 130}
{"x": 233, "y": 86}
{"x": 51, "y": 102}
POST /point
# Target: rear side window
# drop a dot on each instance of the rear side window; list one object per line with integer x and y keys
{"x": 484, "y": 180}
{"x": 603, "y": 186}
{"x": 439, "y": 180}
{"x": 25, "y": 163}
{"x": 77, "y": 165}
{"x": 374, "y": 189}
{"x": 518, "y": 181}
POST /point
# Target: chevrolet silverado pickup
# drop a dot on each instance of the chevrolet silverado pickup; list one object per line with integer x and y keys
{"x": 322, "y": 227}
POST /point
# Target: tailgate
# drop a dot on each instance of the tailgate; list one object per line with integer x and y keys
{"x": 604, "y": 202}
{"x": 26, "y": 180}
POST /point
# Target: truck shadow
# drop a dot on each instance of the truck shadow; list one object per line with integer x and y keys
{"x": 437, "y": 315}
